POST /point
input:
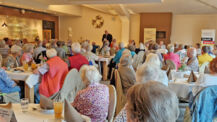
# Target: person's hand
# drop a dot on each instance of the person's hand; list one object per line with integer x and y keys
{"x": 36, "y": 71}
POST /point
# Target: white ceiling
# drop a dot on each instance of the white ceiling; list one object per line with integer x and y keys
{"x": 122, "y": 7}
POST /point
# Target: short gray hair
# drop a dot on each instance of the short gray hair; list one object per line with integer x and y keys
{"x": 170, "y": 48}
{"x": 192, "y": 51}
{"x": 152, "y": 102}
{"x": 89, "y": 48}
{"x": 153, "y": 60}
{"x": 126, "y": 60}
{"x": 76, "y": 47}
{"x": 90, "y": 75}
{"x": 121, "y": 45}
{"x": 51, "y": 53}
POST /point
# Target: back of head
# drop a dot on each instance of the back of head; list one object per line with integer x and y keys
{"x": 76, "y": 47}
{"x": 170, "y": 48}
{"x": 51, "y": 53}
{"x": 28, "y": 48}
{"x": 2, "y": 43}
{"x": 126, "y": 60}
{"x": 192, "y": 52}
{"x": 89, "y": 48}
{"x": 152, "y": 102}
{"x": 90, "y": 75}
{"x": 121, "y": 45}
{"x": 154, "y": 46}
{"x": 59, "y": 43}
{"x": 205, "y": 49}
{"x": 131, "y": 47}
{"x": 126, "y": 52}
{"x": 153, "y": 60}
{"x": 213, "y": 66}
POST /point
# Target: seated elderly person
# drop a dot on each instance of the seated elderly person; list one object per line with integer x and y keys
{"x": 39, "y": 49}
{"x": 13, "y": 59}
{"x": 93, "y": 101}
{"x": 150, "y": 102}
{"x": 172, "y": 56}
{"x": 77, "y": 60}
{"x": 132, "y": 49}
{"x": 27, "y": 56}
{"x": 60, "y": 51}
{"x": 192, "y": 63}
{"x": 6, "y": 84}
{"x": 105, "y": 49}
{"x": 205, "y": 57}
{"x": 91, "y": 57}
{"x": 151, "y": 70}
{"x": 53, "y": 74}
{"x": 127, "y": 73}
{"x": 118, "y": 55}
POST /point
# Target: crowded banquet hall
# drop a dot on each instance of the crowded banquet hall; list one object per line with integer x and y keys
{"x": 108, "y": 61}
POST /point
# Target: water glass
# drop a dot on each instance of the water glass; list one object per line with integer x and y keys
{"x": 24, "y": 104}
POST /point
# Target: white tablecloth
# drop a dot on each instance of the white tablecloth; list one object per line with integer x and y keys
{"x": 29, "y": 78}
{"x": 34, "y": 115}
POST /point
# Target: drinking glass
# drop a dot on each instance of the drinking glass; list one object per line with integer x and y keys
{"x": 24, "y": 104}
{"x": 58, "y": 108}
{"x": 26, "y": 66}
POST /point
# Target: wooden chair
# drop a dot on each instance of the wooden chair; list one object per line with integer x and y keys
{"x": 121, "y": 98}
{"x": 171, "y": 64}
{"x": 112, "y": 103}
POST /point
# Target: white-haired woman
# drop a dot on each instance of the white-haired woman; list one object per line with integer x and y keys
{"x": 27, "y": 56}
{"x": 151, "y": 70}
{"x": 77, "y": 60}
{"x": 118, "y": 55}
{"x": 192, "y": 63}
{"x": 127, "y": 73}
{"x": 151, "y": 102}
{"x": 93, "y": 101}
{"x": 53, "y": 74}
{"x": 13, "y": 59}
{"x": 91, "y": 57}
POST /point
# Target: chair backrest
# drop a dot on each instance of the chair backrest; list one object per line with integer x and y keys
{"x": 112, "y": 103}
{"x": 203, "y": 66}
{"x": 171, "y": 64}
{"x": 121, "y": 98}
{"x": 72, "y": 84}
{"x": 204, "y": 107}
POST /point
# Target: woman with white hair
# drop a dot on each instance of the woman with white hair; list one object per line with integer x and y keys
{"x": 77, "y": 60}
{"x": 53, "y": 74}
{"x": 91, "y": 57}
{"x": 127, "y": 73}
{"x": 151, "y": 102}
{"x": 172, "y": 56}
{"x": 27, "y": 56}
{"x": 13, "y": 59}
{"x": 151, "y": 70}
{"x": 192, "y": 63}
{"x": 93, "y": 101}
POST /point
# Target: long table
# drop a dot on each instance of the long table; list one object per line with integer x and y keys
{"x": 27, "y": 77}
{"x": 36, "y": 114}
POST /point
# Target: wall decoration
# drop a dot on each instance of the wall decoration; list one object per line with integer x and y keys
{"x": 98, "y": 22}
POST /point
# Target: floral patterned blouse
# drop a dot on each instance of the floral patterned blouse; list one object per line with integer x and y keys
{"x": 93, "y": 102}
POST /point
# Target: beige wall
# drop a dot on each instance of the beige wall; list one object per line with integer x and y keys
{"x": 186, "y": 29}
{"x": 135, "y": 28}
{"x": 19, "y": 28}
{"x": 125, "y": 30}
{"x": 81, "y": 27}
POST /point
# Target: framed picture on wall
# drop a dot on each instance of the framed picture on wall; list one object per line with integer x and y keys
{"x": 161, "y": 34}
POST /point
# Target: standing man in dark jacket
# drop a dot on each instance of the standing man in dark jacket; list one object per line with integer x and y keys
{"x": 107, "y": 36}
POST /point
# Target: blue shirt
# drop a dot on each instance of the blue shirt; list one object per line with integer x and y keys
{"x": 133, "y": 53}
{"x": 6, "y": 84}
{"x": 118, "y": 55}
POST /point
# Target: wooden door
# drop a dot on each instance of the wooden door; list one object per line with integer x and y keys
{"x": 47, "y": 35}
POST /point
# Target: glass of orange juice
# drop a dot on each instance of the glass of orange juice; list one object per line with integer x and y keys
{"x": 34, "y": 66}
{"x": 58, "y": 108}
{"x": 26, "y": 66}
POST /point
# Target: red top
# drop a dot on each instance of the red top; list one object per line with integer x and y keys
{"x": 174, "y": 57}
{"x": 53, "y": 80}
{"x": 77, "y": 61}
